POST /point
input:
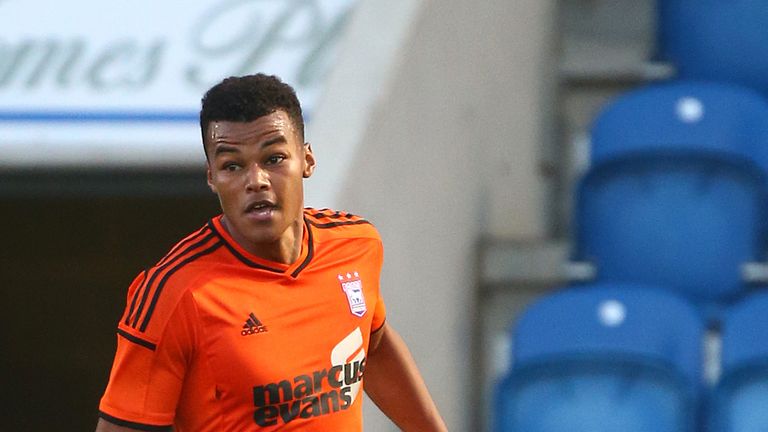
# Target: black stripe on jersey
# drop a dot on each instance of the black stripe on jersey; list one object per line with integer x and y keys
{"x": 144, "y": 285}
{"x": 317, "y": 212}
{"x": 336, "y": 215}
{"x": 137, "y": 340}
{"x": 182, "y": 244}
{"x": 335, "y": 224}
{"x": 165, "y": 278}
{"x": 238, "y": 255}
{"x": 310, "y": 251}
{"x": 134, "y": 425}
{"x": 148, "y": 283}
{"x": 135, "y": 298}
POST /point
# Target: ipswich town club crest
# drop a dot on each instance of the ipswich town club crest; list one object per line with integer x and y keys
{"x": 353, "y": 288}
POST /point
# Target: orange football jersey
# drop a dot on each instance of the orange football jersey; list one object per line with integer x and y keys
{"x": 216, "y": 339}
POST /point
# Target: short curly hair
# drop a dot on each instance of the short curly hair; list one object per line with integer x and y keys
{"x": 246, "y": 98}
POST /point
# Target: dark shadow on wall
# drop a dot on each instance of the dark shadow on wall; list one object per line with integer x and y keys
{"x": 71, "y": 244}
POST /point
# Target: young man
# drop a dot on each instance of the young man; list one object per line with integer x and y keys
{"x": 269, "y": 317}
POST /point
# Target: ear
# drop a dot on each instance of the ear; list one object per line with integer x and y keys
{"x": 209, "y": 178}
{"x": 309, "y": 161}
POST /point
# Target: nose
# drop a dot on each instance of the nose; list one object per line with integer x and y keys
{"x": 258, "y": 179}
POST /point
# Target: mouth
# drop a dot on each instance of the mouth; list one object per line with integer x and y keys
{"x": 259, "y": 205}
{"x": 260, "y": 210}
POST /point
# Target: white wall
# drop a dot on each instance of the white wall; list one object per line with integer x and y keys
{"x": 442, "y": 147}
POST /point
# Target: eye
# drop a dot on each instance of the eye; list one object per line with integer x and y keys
{"x": 230, "y": 166}
{"x": 275, "y": 159}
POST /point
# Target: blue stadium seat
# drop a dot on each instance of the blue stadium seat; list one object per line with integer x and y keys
{"x": 683, "y": 117}
{"x": 675, "y": 196}
{"x": 716, "y": 40}
{"x": 688, "y": 225}
{"x": 603, "y": 358}
{"x": 741, "y": 397}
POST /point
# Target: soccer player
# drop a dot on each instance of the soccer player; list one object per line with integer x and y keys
{"x": 269, "y": 317}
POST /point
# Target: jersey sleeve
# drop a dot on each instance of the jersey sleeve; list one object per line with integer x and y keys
{"x": 148, "y": 369}
{"x": 379, "y": 310}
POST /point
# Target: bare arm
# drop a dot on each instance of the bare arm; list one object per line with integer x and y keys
{"x": 395, "y": 385}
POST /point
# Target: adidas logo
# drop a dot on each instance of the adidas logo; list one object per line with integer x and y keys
{"x": 252, "y": 326}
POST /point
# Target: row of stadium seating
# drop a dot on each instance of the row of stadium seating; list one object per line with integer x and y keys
{"x": 672, "y": 217}
{"x": 626, "y": 357}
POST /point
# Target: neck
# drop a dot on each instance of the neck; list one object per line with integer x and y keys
{"x": 286, "y": 249}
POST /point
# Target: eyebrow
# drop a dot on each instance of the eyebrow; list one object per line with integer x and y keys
{"x": 224, "y": 148}
{"x": 227, "y": 148}
{"x": 276, "y": 140}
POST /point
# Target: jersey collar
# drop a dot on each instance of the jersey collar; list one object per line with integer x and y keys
{"x": 247, "y": 258}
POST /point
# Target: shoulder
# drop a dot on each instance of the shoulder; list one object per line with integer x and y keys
{"x": 332, "y": 224}
{"x": 156, "y": 292}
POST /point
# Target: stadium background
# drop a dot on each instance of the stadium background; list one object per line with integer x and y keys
{"x": 457, "y": 127}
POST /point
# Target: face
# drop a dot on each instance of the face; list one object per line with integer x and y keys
{"x": 257, "y": 169}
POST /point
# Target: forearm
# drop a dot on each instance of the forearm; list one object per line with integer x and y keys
{"x": 394, "y": 383}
